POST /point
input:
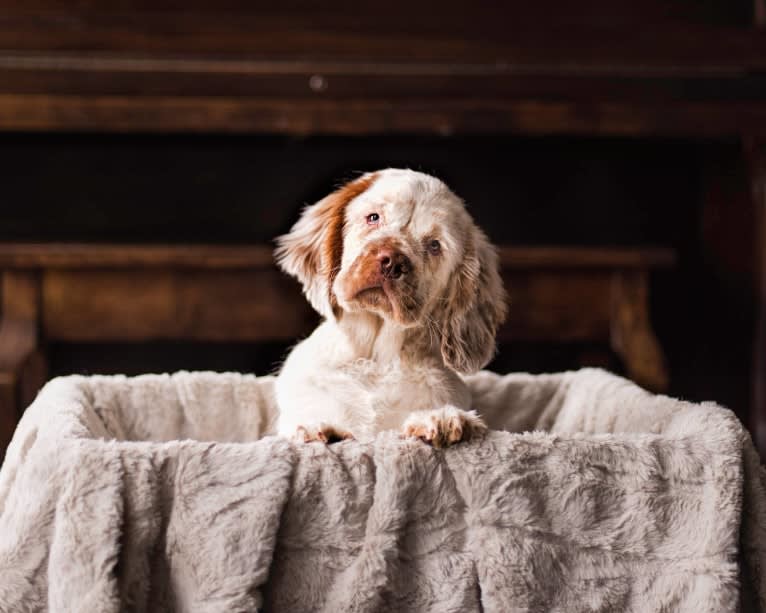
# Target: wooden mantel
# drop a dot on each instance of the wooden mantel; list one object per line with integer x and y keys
{"x": 135, "y": 293}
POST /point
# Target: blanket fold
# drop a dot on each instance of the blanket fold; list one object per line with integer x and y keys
{"x": 167, "y": 493}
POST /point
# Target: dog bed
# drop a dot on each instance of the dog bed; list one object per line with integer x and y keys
{"x": 165, "y": 493}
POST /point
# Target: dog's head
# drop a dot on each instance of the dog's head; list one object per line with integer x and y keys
{"x": 400, "y": 244}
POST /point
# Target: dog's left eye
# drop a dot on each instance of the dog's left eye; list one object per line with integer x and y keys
{"x": 373, "y": 218}
{"x": 434, "y": 247}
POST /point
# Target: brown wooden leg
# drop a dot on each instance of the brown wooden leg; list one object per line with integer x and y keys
{"x": 632, "y": 337}
{"x": 18, "y": 346}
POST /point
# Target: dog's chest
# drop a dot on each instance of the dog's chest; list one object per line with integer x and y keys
{"x": 392, "y": 391}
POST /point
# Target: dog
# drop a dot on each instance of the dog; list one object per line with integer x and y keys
{"x": 411, "y": 296}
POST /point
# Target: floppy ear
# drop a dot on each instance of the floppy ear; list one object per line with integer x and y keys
{"x": 312, "y": 250}
{"x": 475, "y": 307}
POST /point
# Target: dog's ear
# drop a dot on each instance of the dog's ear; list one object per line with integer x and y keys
{"x": 312, "y": 250}
{"x": 475, "y": 307}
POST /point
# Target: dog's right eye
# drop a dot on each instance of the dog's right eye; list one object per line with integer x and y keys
{"x": 373, "y": 218}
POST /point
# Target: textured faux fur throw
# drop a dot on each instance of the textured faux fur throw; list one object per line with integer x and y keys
{"x": 615, "y": 500}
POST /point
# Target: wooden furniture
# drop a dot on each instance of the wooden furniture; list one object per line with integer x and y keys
{"x": 629, "y": 67}
{"x": 100, "y": 293}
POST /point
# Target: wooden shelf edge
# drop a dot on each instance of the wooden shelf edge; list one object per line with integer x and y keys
{"x": 201, "y": 256}
{"x": 586, "y": 257}
{"x": 128, "y": 114}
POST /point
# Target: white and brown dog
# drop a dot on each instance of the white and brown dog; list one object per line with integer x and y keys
{"x": 411, "y": 295}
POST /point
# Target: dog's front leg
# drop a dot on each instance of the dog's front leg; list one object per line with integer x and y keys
{"x": 309, "y": 413}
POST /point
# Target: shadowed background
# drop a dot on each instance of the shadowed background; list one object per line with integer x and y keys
{"x": 625, "y": 126}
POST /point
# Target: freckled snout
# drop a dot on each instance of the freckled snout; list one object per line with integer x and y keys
{"x": 393, "y": 264}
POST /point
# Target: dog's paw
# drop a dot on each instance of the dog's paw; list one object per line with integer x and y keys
{"x": 323, "y": 433}
{"x": 443, "y": 427}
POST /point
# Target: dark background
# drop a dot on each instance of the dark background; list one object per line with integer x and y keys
{"x": 620, "y": 123}
{"x": 523, "y": 191}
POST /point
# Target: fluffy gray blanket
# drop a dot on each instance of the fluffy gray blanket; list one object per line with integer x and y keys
{"x": 611, "y": 500}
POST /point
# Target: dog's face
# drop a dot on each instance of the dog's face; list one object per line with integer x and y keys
{"x": 402, "y": 239}
{"x": 401, "y": 245}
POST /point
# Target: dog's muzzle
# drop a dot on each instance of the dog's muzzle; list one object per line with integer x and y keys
{"x": 393, "y": 264}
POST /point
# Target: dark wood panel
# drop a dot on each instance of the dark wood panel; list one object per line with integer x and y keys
{"x": 96, "y": 306}
{"x": 256, "y": 257}
{"x": 347, "y": 69}
{"x": 551, "y": 299}
{"x": 263, "y": 306}
{"x": 565, "y": 258}
{"x": 478, "y": 60}
{"x": 88, "y": 256}
{"x": 357, "y": 72}
{"x": 449, "y": 12}
{"x": 356, "y": 117}
{"x": 491, "y": 35}
{"x": 246, "y": 190}
{"x": 322, "y": 81}
{"x": 558, "y": 307}
{"x": 142, "y": 306}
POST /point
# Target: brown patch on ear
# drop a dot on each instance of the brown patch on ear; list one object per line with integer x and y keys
{"x": 313, "y": 248}
{"x": 332, "y": 249}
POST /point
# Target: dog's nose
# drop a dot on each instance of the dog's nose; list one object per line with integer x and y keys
{"x": 393, "y": 264}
